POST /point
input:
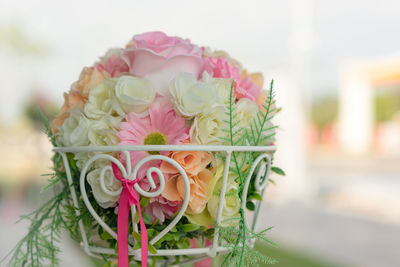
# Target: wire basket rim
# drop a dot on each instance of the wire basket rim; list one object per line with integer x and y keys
{"x": 210, "y": 148}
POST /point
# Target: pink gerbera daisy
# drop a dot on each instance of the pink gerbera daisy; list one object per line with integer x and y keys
{"x": 161, "y": 127}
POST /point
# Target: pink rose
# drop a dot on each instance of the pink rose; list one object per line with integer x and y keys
{"x": 247, "y": 89}
{"x": 159, "y": 57}
{"x": 222, "y": 68}
{"x": 114, "y": 65}
{"x": 161, "y": 208}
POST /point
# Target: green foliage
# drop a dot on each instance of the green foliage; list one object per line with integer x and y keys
{"x": 386, "y": 107}
{"x": 260, "y": 132}
{"x": 237, "y": 235}
{"x": 39, "y": 247}
{"x": 243, "y": 254}
{"x": 324, "y": 111}
{"x": 278, "y": 171}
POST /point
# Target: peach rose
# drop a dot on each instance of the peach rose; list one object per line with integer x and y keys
{"x": 194, "y": 163}
{"x": 256, "y": 77}
{"x": 261, "y": 100}
{"x": 71, "y": 100}
{"x": 191, "y": 161}
{"x": 89, "y": 78}
{"x": 175, "y": 190}
{"x": 159, "y": 57}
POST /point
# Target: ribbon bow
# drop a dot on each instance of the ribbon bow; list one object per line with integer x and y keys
{"x": 128, "y": 198}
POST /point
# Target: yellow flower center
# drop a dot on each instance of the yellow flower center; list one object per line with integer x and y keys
{"x": 155, "y": 138}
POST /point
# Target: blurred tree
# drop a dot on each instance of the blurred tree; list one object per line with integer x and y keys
{"x": 324, "y": 111}
{"x": 14, "y": 38}
{"x": 386, "y": 106}
{"x": 38, "y": 106}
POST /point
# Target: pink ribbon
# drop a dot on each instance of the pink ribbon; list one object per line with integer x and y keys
{"x": 128, "y": 198}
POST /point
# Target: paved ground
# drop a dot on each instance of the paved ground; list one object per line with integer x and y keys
{"x": 364, "y": 189}
{"x": 10, "y": 233}
{"x": 344, "y": 240}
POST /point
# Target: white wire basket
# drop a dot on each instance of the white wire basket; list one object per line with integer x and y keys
{"x": 262, "y": 165}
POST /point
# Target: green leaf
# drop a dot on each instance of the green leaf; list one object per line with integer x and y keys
{"x": 190, "y": 227}
{"x": 137, "y": 236}
{"x": 152, "y": 249}
{"x": 169, "y": 237}
{"x": 157, "y": 221}
{"x": 71, "y": 160}
{"x": 136, "y": 218}
{"x": 256, "y": 196}
{"x": 203, "y": 218}
{"x": 183, "y": 243}
{"x": 150, "y": 232}
{"x": 137, "y": 245}
{"x": 144, "y": 201}
{"x": 250, "y": 205}
{"x": 278, "y": 171}
{"x": 105, "y": 235}
{"x": 146, "y": 218}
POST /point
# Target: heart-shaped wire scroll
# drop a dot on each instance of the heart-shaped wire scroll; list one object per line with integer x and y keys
{"x": 263, "y": 162}
{"x": 131, "y": 175}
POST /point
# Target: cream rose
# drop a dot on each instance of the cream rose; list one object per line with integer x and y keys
{"x": 223, "y": 86}
{"x": 231, "y": 206}
{"x": 104, "y": 199}
{"x": 208, "y": 129}
{"x": 101, "y": 133}
{"x": 102, "y": 101}
{"x": 246, "y": 111}
{"x": 74, "y": 130}
{"x": 192, "y": 97}
{"x": 134, "y": 94}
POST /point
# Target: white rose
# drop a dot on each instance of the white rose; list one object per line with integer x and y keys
{"x": 190, "y": 96}
{"x": 223, "y": 86}
{"x": 246, "y": 111}
{"x": 208, "y": 128}
{"x": 100, "y": 133}
{"x": 74, "y": 131}
{"x": 231, "y": 206}
{"x": 102, "y": 101}
{"x": 135, "y": 94}
{"x": 104, "y": 199}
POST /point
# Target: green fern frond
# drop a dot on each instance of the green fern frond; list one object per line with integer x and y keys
{"x": 240, "y": 253}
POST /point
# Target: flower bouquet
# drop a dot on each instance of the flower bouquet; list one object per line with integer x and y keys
{"x": 161, "y": 149}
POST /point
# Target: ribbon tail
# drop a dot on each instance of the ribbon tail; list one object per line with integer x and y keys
{"x": 123, "y": 229}
{"x": 144, "y": 239}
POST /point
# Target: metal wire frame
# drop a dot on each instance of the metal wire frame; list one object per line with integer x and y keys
{"x": 263, "y": 162}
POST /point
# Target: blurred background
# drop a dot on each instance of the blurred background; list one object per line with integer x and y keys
{"x": 336, "y": 66}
